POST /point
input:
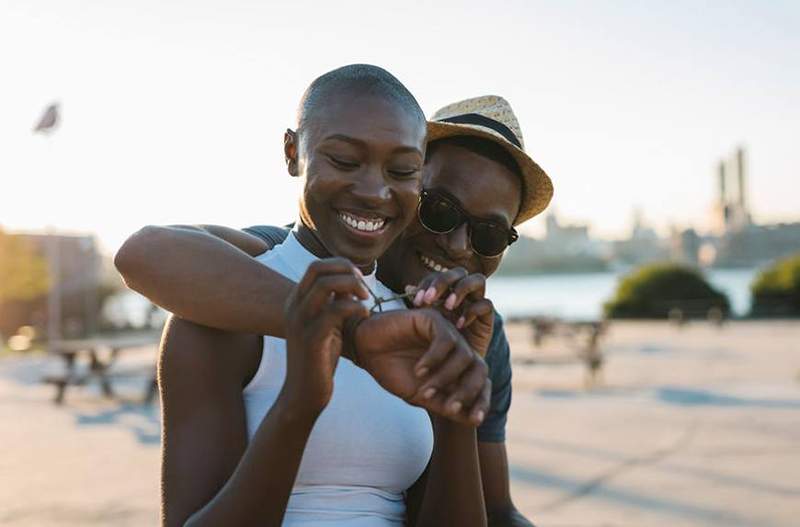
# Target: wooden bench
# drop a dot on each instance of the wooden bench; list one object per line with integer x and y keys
{"x": 99, "y": 355}
{"x": 581, "y": 337}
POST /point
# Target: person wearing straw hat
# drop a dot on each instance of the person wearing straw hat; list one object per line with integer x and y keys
{"x": 479, "y": 184}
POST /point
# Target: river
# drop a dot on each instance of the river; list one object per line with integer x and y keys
{"x": 581, "y": 295}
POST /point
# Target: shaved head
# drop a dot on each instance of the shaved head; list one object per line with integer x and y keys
{"x": 357, "y": 80}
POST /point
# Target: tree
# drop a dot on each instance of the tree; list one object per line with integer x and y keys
{"x": 24, "y": 280}
{"x": 657, "y": 290}
{"x": 776, "y": 290}
{"x": 24, "y": 274}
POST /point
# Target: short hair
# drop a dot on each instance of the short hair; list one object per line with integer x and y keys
{"x": 363, "y": 79}
{"x": 478, "y": 145}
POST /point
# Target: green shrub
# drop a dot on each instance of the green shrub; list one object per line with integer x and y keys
{"x": 664, "y": 289}
{"x": 776, "y": 290}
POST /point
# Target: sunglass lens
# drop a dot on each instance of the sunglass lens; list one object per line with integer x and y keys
{"x": 488, "y": 239}
{"x": 438, "y": 214}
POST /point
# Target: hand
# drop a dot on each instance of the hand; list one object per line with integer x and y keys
{"x": 420, "y": 357}
{"x": 316, "y": 311}
{"x": 460, "y": 297}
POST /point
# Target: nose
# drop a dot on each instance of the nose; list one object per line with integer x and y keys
{"x": 370, "y": 187}
{"x": 456, "y": 243}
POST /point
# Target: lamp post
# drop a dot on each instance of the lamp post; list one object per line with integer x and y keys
{"x": 46, "y": 126}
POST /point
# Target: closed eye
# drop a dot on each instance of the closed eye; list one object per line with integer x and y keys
{"x": 344, "y": 164}
{"x": 404, "y": 173}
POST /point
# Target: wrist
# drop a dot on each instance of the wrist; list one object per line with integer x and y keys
{"x": 444, "y": 426}
{"x": 296, "y": 410}
{"x": 349, "y": 349}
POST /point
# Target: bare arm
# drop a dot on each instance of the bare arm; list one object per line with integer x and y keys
{"x": 208, "y": 403}
{"x": 210, "y": 475}
{"x": 453, "y": 493}
{"x": 206, "y": 275}
{"x": 494, "y": 475}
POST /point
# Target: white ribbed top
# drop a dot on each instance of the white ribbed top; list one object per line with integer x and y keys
{"x": 367, "y": 447}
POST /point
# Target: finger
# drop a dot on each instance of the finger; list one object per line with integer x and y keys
{"x": 335, "y": 314}
{"x": 468, "y": 387}
{"x": 472, "y": 287}
{"x": 480, "y": 409}
{"x": 481, "y": 310}
{"x": 455, "y": 364}
{"x": 440, "y": 284}
{"x": 431, "y": 326}
{"x": 434, "y": 357}
{"x": 327, "y": 286}
{"x": 438, "y": 406}
{"x": 329, "y": 266}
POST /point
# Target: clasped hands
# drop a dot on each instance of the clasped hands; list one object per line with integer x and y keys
{"x": 430, "y": 356}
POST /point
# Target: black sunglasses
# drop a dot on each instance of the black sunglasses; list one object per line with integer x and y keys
{"x": 440, "y": 214}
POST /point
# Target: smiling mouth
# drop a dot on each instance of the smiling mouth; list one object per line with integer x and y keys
{"x": 363, "y": 225}
{"x": 431, "y": 264}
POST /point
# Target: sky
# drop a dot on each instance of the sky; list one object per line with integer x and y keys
{"x": 174, "y": 111}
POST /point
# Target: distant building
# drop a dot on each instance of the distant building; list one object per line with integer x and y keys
{"x": 564, "y": 249}
{"x": 685, "y": 247}
{"x": 643, "y": 245}
{"x": 756, "y": 245}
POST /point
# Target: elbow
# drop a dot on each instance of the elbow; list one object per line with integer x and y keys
{"x": 131, "y": 258}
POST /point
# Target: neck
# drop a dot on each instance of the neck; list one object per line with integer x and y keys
{"x": 310, "y": 241}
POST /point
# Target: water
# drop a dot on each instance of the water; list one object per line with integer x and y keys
{"x": 581, "y": 296}
{"x": 571, "y": 296}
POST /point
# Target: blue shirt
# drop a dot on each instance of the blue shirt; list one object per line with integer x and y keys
{"x": 498, "y": 357}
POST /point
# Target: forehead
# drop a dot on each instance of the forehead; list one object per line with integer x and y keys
{"x": 373, "y": 120}
{"x": 485, "y": 188}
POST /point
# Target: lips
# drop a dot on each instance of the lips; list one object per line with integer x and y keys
{"x": 363, "y": 224}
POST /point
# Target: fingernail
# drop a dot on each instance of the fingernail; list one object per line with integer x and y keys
{"x": 455, "y": 407}
{"x": 418, "y": 298}
{"x": 429, "y": 393}
{"x": 460, "y": 323}
{"x": 422, "y": 372}
{"x": 430, "y": 294}
{"x": 480, "y": 415}
{"x": 358, "y": 272}
{"x": 450, "y": 303}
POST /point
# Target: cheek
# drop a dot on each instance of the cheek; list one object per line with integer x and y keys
{"x": 488, "y": 265}
{"x": 407, "y": 195}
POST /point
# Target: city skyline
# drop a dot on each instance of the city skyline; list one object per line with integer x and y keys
{"x": 626, "y": 106}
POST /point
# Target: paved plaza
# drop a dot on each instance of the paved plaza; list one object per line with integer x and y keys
{"x": 690, "y": 426}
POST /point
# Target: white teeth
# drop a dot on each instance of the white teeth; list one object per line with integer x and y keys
{"x": 362, "y": 225}
{"x": 430, "y": 264}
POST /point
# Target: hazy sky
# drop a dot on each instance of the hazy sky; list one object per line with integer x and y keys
{"x": 174, "y": 110}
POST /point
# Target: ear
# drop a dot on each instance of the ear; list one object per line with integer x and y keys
{"x": 290, "y": 151}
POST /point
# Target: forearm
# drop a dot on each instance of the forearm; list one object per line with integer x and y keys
{"x": 259, "y": 488}
{"x": 453, "y": 493}
{"x": 203, "y": 279}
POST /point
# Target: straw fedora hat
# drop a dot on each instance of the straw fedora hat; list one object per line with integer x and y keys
{"x": 492, "y": 118}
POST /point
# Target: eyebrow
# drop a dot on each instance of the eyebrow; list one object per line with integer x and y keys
{"x": 363, "y": 144}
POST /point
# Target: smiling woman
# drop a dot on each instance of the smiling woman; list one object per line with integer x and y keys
{"x": 362, "y": 176}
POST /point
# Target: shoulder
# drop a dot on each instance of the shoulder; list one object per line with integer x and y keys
{"x": 214, "y": 357}
{"x": 271, "y": 234}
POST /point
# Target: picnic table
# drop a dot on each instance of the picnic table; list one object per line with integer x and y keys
{"x": 581, "y": 337}
{"x": 93, "y": 359}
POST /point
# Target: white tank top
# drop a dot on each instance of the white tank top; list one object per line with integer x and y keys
{"x": 366, "y": 448}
